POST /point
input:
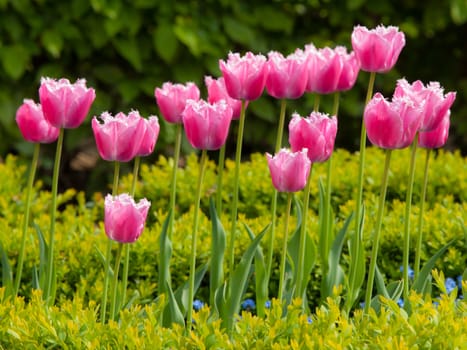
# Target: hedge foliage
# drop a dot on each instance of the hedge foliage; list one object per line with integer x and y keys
{"x": 127, "y": 48}
{"x": 80, "y": 232}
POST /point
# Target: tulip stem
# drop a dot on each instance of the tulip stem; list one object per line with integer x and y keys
{"x": 126, "y": 261}
{"x": 356, "y": 239}
{"x": 300, "y": 287}
{"x": 220, "y": 173}
{"x": 377, "y": 233}
{"x": 408, "y": 209}
{"x": 173, "y": 188}
{"x": 30, "y": 184}
{"x": 284, "y": 246}
{"x": 238, "y": 157}
{"x": 50, "y": 256}
{"x": 108, "y": 252}
{"x": 118, "y": 258}
{"x": 191, "y": 290}
{"x": 280, "y": 131}
{"x": 420, "y": 218}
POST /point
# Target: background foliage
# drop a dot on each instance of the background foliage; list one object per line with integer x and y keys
{"x": 127, "y": 48}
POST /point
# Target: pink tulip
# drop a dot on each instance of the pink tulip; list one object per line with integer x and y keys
{"x": 350, "y": 69}
{"x": 436, "y": 138}
{"x": 65, "y": 105}
{"x": 325, "y": 70}
{"x": 123, "y": 218}
{"x": 207, "y": 125}
{"x": 245, "y": 77}
{"x": 316, "y": 133}
{"x": 172, "y": 98}
{"x": 119, "y": 138}
{"x": 287, "y": 76}
{"x": 289, "y": 170}
{"x": 377, "y": 49}
{"x": 32, "y": 124}
{"x": 431, "y": 99}
{"x": 151, "y": 133}
{"x": 392, "y": 124}
{"x": 217, "y": 91}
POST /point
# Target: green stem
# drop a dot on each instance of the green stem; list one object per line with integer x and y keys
{"x": 408, "y": 209}
{"x": 300, "y": 287}
{"x": 420, "y": 218}
{"x": 316, "y": 104}
{"x": 118, "y": 258}
{"x": 50, "y": 255}
{"x": 126, "y": 261}
{"x": 173, "y": 186}
{"x": 284, "y": 247}
{"x": 280, "y": 132}
{"x": 357, "y": 237}
{"x": 32, "y": 174}
{"x": 238, "y": 157}
{"x": 191, "y": 290}
{"x": 377, "y": 234}
{"x": 108, "y": 252}
{"x": 220, "y": 173}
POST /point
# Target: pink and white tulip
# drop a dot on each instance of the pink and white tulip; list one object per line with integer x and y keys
{"x": 119, "y": 138}
{"x": 33, "y": 125}
{"x": 391, "y": 124}
{"x": 65, "y": 105}
{"x": 316, "y": 133}
{"x": 436, "y": 138}
{"x": 124, "y": 219}
{"x": 150, "y": 136}
{"x": 217, "y": 91}
{"x": 171, "y": 99}
{"x": 287, "y": 76}
{"x": 378, "y": 49}
{"x": 244, "y": 76}
{"x": 207, "y": 125}
{"x": 289, "y": 170}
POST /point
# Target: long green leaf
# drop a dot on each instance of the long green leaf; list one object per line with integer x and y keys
{"x": 335, "y": 273}
{"x": 172, "y": 313}
{"x": 103, "y": 259}
{"x": 165, "y": 255}
{"x": 43, "y": 254}
{"x": 323, "y": 241}
{"x": 216, "y": 277}
{"x": 239, "y": 278}
{"x": 7, "y": 275}
{"x": 260, "y": 276}
{"x": 421, "y": 283}
{"x": 181, "y": 294}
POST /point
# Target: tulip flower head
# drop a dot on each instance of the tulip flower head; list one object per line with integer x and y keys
{"x": 217, "y": 91}
{"x": 431, "y": 98}
{"x": 119, "y": 138}
{"x": 316, "y": 133}
{"x": 207, "y": 125}
{"x": 391, "y": 124}
{"x": 289, "y": 170}
{"x": 350, "y": 69}
{"x": 245, "y": 77}
{"x": 123, "y": 218}
{"x": 65, "y": 105}
{"x": 33, "y": 125}
{"x": 325, "y": 70}
{"x": 436, "y": 138}
{"x": 287, "y": 76}
{"x": 378, "y": 49}
{"x": 150, "y": 136}
{"x": 171, "y": 99}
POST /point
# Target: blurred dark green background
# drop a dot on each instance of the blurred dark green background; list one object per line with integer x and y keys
{"x": 127, "y": 48}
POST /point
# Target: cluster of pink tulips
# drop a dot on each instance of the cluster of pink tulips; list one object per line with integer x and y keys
{"x": 417, "y": 115}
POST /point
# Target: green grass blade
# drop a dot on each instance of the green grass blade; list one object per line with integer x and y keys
{"x": 165, "y": 255}
{"x": 218, "y": 245}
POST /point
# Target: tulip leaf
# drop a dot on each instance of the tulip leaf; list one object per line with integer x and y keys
{"x": 181, "y": 294}
{"x": 421, "y": 283}
{"x": 165, "y": 255}
{"x": 260, "y": 276}
{"x": 43, "y": 254}
{"x": 7, "y": 275}
{"x": 172, "y": 313}
{"x": 218, "y": 245}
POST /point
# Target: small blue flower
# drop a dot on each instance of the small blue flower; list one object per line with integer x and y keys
{"x": 197, "y": 304}
{"x": 310, "y": 320}
{"x": 450, "y": 284}
{"x": 400, "y": 302}
{"x": 267, "y": 304}
{"x": 411, "y": 272}
{"x": 362, "y": 304}
{"x": 248, "y": 304}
